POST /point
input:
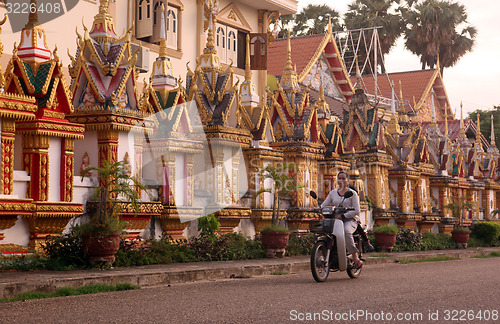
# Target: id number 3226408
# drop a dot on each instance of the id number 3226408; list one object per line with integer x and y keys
{"x": 470, "y": 315}
{"x": 24, "y": 8}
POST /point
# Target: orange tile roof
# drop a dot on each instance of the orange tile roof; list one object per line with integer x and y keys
{"x": 303, "y": 50}
{"x": 413, "y": 84}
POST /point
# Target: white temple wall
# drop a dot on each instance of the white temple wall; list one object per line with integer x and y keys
{"x": 246, "y": 228}
{"x": 21, "y": 179}
{"x": 19, "y": 233}
{"x": 434, "y": 197}
{"x": 87, "y": 145}
{"x": 54, "y": 169}
{"x": 393, "y": 185}
{"x": 18, "y": 152}
{"x": 180, "y": 180}
{"x": 126, "y": 145}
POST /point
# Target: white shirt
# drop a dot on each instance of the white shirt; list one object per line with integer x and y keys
{"x": 338, "y": 200}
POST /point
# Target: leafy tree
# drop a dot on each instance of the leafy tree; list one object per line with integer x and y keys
{"x": 376, "y": 13}
{"x": 311, "y": 20}
{"x": 485, "y": 122}
{"x": 438, "y": 28}
{"x": 284, "y": 183}
{"x": 458, "y": 207}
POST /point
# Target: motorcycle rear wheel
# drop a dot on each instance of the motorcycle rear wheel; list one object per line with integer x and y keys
{"x": 319, "y": 264}
{"x": 352, "y": 272}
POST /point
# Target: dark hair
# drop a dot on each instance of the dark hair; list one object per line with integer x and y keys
{"x": 344, "y": 172}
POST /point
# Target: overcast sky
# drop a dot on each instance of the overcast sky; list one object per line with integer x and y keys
{"x": 475, "y": 79}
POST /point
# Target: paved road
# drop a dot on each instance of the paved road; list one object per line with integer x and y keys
{"x": 459, "y": 289}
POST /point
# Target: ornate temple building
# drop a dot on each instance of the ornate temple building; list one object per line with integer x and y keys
{"x": 242, "y": 100}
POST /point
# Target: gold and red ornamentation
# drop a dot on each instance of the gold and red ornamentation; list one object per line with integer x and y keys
{"x": 50, "y": 219}
{"x": 7, "y": 156}
{"x": 7, "y": 166}
{"x": 230, "y": 217}
{"x": 173, "y": 220}
{"x": 108, "y": 146}
{"x": 67, "y": 170}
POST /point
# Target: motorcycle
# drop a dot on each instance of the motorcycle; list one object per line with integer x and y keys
{"x": 329, "y": 251}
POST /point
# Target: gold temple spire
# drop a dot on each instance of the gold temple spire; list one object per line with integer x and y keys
{"x": 289, "y": 78}
{"x": 2, "y": 77}
{"x": 33, "y": 16}
{"x": 209, "y": 60}
{"x": 478, "y": 131}
{"x": 163, "y": 35}
{"x": 401, "y": 103}
{"x": 446, "y": 121}
{"x": 288, "y": 66}
{"x": 462, "y": 130}
{"x": 393, "y": 100}
{"x": 492, "y": 133}
{"x": 359, "y": 79}
{"x": 103, "y": 24}
{"x": 393, "y": 126}
{"x": 248, "y": 70}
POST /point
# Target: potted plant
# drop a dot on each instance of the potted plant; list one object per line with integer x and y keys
{"x": 460, "y": 233}
{"x": 385, "y": 237}
{"x": 101, "y": 235}
{"x": 275, "y": 237}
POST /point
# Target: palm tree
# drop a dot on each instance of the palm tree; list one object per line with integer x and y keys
{"x": 376, "y": 13}
{"x": 433, "y": 32}
{"x": 311, "y": 20}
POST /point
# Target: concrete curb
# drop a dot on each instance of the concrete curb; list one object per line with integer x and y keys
{"x": 14, "y": 283}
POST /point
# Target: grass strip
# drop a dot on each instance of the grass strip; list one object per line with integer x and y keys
{"x": 379, "y": 255}
{"x": 431, "y": 259}
{"x": 68, "y": 291}
{"x": 493, "y": 254}
{"x": 279, "y": 273}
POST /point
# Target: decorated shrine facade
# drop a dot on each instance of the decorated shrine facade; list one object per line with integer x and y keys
{"x": 184, "y": 103}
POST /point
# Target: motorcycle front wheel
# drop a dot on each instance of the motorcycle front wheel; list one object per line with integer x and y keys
{"x": 352, "y": 272}
{"x": 319, "y": 263}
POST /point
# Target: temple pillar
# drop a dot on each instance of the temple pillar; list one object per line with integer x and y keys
{"x": 8, "y": 129}
{"x": 36, "y": 163}
{"x": 107, "y": 141}
{"x": 189, "y": 193}
{"x": 67, "y": 169}
{"x": 138, "y": 150}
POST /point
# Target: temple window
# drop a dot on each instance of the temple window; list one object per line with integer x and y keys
{"x": 231, "y": 45}
{"x": 148, "y": 21}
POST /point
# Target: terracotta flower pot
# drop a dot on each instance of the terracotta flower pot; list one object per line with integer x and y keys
{"x": 460, "y": 238}
{"x": 385, "y": 241}
{"x": 101, "y": 247}
{"x": 275, "y": 243}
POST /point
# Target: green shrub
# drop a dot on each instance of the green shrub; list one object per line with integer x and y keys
{"x": 21, "y": 262}
{"x": 64, "y": 252}
{"x": 208, "y": 225}
{"x": 229, "y": 246}
{"x": 486, "y": 232}
{"x": 432, "y": 241}
{"x": 390, "y": 229}
{"x": 275, "y": 228}
{"x": 299, "y": 244}
{"x": 407, "y": 240}
{"x": 139, "y": 252}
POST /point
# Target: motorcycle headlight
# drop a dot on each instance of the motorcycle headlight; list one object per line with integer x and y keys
{"x": 327, "y": 211}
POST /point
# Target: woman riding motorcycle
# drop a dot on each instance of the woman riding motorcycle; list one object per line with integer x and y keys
{"x": 350, "y": 218}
